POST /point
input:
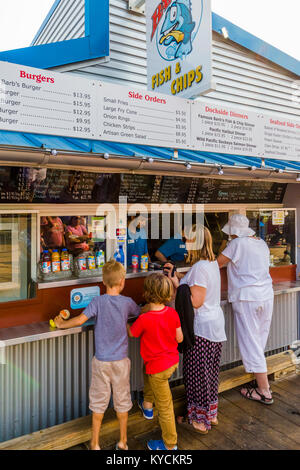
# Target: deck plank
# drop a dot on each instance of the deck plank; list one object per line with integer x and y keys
{"x": 286, "y": 431}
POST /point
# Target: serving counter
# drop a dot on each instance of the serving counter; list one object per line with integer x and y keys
{"x": 45, "y": 374}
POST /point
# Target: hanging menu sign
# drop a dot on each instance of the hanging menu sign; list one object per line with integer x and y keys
{"x": 45, "y": 102}
{"x": 141, "y": 117}
{"x": 226, "y": 130}
{"x": 281, "y": 138}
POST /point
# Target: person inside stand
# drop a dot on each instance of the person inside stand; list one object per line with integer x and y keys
{"x": 53, "y": 233}
{"x": 136, "y": 239}
{"x": 173, "y": 249}
{"x": 77, "y": 236}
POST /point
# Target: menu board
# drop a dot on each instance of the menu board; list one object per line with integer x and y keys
{"x": 221, "y": 129}
{"x": 281, "y": 138}
{"x": 207, "y": 191}
{"x": 50, "y": 103}
{"x": 57, "y": 186}
{"x": 45, "y": 102}
{"x": 140, "y": 117}
{"x": 139, "y": 188}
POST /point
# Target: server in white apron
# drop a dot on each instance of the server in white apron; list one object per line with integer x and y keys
{"x": 251, "y": 293}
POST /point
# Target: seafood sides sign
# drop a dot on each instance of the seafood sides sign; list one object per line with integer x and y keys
{"x": 179, "y": 47}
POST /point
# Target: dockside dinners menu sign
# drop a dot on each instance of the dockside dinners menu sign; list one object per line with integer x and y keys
{"x": 225, "y": 130}
{"x": 45, "y": 102}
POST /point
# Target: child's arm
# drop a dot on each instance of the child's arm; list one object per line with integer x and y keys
{"x": 129, "y": 331}
{"x": 179, "y": 335}
{"x": 76, "y": 321}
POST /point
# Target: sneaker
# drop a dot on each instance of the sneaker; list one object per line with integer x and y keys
{"x": 158, "y": 445}
{"x": 148, "y": 414}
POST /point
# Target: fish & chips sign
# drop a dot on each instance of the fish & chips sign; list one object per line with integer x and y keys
{"x": 179, "y": 46}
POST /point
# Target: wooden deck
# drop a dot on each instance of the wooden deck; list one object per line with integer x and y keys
{"x": 245, "y": 425}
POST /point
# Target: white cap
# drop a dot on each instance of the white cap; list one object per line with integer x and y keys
{"x": 238, "y": 224}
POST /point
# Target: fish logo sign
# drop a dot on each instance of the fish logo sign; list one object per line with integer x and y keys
{"x": 179, "y": 46}
{"x": 177, "y": 30}
{"x": 176, "y": 35}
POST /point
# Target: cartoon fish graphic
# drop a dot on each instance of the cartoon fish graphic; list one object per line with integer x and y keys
{"x": 177, "y": 28}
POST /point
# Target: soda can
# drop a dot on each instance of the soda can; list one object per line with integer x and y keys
{"x": 144, "y": 263}
{"x": 135, "y": 263}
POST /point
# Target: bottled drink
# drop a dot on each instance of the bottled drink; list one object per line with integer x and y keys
{"x": 65, "y": 260}
{"x": 81, "y": 262}
{"x": 100, "y": 258}
{"x": 91, "y": 261}
{"x": 46, "y": 262}
{"x": 135, "y": 263}
{"x": 144, "y": 263}
{"x": 119, "y": 255}
{"x": 55, "y": 261}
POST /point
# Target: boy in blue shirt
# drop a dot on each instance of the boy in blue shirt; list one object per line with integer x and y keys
{"x": 110, "y": 365}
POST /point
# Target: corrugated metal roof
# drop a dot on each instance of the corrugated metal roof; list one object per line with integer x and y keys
{"x": 38, "y": 141}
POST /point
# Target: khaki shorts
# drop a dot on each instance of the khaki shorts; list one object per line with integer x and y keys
{"x": 113, "y": 375}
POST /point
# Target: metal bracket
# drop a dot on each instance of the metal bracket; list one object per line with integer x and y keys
{"x": 138, "y": 6}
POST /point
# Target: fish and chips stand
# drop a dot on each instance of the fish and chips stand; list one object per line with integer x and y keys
{"x": 77, "y": 158}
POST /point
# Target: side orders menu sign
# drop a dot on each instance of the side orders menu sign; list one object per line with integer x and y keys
{"x": 179, "y": 46}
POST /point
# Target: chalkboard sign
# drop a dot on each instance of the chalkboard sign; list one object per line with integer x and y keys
{"x": 30, "y": 185}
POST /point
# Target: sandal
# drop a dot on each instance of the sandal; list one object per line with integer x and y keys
{"x": 264, "y": 400}
{"x": 214, "y": 423}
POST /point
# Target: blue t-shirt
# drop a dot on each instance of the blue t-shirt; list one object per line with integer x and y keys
{"x": 174, "y": 249}
{"x": 111, "y": 314}
{"x": 136, "y": 245}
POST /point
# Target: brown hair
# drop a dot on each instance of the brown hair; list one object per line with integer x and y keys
{"x": 158, "y": 289}
{"x": 113, "y": 273}
{"x": 205, "y": 250}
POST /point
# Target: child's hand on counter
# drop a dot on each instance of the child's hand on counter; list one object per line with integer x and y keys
{"x": 58, "y": 321}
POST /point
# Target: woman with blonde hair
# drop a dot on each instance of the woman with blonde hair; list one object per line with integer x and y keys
{"x": 201, "y": 361}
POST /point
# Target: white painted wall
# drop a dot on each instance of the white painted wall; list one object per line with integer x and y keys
{"x": 292, "y": 200}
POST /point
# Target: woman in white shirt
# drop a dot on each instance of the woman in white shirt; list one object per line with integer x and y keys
{"x": 201, "y": 362}
{"x": 251, "y": 293}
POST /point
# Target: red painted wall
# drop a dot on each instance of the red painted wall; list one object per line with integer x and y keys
{"x": 49, "y": 302}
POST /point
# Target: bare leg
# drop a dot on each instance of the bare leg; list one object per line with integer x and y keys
{"x": 123, "y": 419}
{"x": 97, "y": 421}
{"x": 263, "y": 384}
{"x": 147, "y": 405}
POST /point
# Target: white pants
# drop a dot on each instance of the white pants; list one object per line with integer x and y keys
{"x": 252, "y": 325}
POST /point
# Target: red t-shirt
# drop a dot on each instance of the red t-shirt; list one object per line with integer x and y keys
{"x": 158, "y": 339}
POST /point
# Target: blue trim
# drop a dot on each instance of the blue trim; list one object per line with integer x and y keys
{"x": 38, "y": 141}
{"x": 87, "y": 5}
{"x": 254, "y": 44}
{"x": 94, "y": 46}
{"x": 51, "y": 11}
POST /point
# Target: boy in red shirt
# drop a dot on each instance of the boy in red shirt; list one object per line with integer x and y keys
{"x": 160, "y": 332}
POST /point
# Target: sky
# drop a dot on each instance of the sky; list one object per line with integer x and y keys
{"x": 274, "y": 21}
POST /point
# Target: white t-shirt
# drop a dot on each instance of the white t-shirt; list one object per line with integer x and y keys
{"x": 209, "y": 320}
{"x": 248, "y": 271}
